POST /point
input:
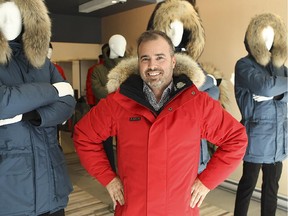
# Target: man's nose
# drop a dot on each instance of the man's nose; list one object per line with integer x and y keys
{"x": 151, "y": 65}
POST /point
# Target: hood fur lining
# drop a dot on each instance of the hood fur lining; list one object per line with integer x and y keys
{"x": 184, "y": 11}
{"x": 37, "y": 32}
{"x": 184, "y": 65}
{"x": 256, "y": 44}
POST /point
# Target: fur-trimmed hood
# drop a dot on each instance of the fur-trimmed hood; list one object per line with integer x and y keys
{"x": 182, "y": 10}
{"x": 255, "y": 44}
{"x": 184, "y": 65}
{"x": 36, "y": 35}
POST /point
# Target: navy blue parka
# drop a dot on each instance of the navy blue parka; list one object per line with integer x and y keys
{"x": 265, "y": 121}
{"x": 33, "y": 174}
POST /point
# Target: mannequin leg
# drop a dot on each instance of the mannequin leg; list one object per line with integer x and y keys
{"x": 270, "y": 186}
{"x": 58, "y": 213}
{"x": 246, "y": 187}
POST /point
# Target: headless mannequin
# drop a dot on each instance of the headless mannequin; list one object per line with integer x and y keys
{"x": 117, "y": 44}
{"x": 10, "y": 20}
{"x": 11, "y": 26}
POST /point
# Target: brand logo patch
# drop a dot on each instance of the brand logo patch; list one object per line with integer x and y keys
{"x": 134, "y": 118}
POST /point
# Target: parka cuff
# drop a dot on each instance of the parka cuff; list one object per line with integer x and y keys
{"x": 107, "y": 178}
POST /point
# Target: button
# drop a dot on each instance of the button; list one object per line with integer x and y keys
{"x": 193, "y": 93}
{"x": 170, "y": 108}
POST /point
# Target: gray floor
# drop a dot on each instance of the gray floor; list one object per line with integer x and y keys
{"x": 218, "y": 197}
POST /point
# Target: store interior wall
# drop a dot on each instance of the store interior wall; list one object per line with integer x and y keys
{"x": 75, "y": 29}
{"x": 225, "y": 23}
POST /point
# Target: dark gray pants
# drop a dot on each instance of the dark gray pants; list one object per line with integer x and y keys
{"x": 58, "y": 213}
{"x": 269, "y": 190}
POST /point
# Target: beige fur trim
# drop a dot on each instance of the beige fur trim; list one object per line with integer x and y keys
{"x": 184, "y": 11}
{"x": 37, "y": 32}
{"x": 257, "y": 45}
{"x": 223, "y": 87}
{"x": 184, "y": 65}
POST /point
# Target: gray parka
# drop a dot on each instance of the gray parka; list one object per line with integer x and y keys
{"x": 255, "y": 74}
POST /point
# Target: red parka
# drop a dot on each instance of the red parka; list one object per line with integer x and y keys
{"x": 158, "y": 154}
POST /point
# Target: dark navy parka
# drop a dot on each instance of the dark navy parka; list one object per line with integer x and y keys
{"x": 266, "y": 121}
{"x": 33, "y": 174}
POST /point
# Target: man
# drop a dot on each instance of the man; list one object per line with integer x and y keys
{"x": 158, "y": 116}
{"x": 261, "y": 94}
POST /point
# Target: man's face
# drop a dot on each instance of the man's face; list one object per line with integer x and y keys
{"x": 156, "y": 63}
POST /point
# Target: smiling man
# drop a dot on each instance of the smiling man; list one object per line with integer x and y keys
{"x": 158, "y": 116}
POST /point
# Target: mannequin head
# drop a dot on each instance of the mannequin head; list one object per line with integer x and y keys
{"x": 175, "y": 32}
{"x": 268, "y": 36}
{"x": 117, "y": 44}
{"x": 10, "y": 20}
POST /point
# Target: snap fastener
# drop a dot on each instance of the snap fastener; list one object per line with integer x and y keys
{"x": 193, "y": 93}
{"x": 170, "y": 108}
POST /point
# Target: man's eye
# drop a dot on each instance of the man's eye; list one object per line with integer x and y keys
{"x": 144, "y": 59}
{"x": 160, "y": 57}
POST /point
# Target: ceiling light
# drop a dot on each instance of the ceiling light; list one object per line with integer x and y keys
{"x": 96, "y": 5}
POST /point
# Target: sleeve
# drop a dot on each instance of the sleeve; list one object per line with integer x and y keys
{"x": 89, "y": 133}
{"x": 98, "y": 89}
{"x": 229, "y": 135}
{"x": 58, "y": 111}
{"x": 22, "y": 98}
{"x": 251, "y": 77}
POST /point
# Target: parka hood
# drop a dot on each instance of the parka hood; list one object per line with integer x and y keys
{"x": 36, "y": 35}
{"x": 182, "y": 10}
{"x": 255, "y": 44}
{"x": 184, "y": 65}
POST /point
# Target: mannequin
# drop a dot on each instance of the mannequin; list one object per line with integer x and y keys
{"x": 117, "y": 44}
{"x": 33, "y": 102}
{"x": 268, "y": 37}
{"x": 59, "y": 68}
{"x": 112, "y": 53}
{"x": 10, "y": 26}
{"x": 261, "y": 95}
{"x": 10, "y": 20}
{"x": 175, "y": 32}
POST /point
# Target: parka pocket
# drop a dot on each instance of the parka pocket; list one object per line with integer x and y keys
{"x": 16, "y": 183}
{"x": 62, "y": 183}
{"x": 261, "y": 137}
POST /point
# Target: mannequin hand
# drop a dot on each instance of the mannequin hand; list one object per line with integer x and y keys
{"x": 116, "y": 191}
{"x": 15, "y": 119}
{"x": 213, "y": 78}
{"x": 259, "y": 98}
{"x": 198, "y": 193}
{"x": 64, "y": 89}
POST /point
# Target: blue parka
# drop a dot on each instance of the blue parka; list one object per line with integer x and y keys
{"x": 266, "y": 121}
{"x": 33, "y": 174}
{"x": 213, "y": 92}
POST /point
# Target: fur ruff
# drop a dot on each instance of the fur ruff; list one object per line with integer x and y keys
{"x": 223, "y": 87}
{"x": 185, "y": 12}
{"x": 184, "y": 65}
{"x": 37, "y": 32}
{"x": 256, "y": 44}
